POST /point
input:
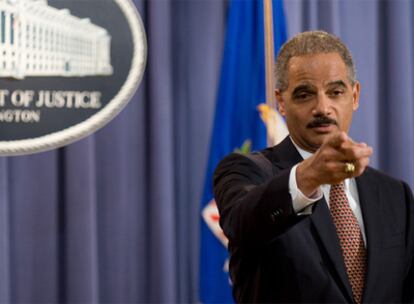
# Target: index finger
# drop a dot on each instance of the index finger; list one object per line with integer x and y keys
{"x": 337, "y": 139}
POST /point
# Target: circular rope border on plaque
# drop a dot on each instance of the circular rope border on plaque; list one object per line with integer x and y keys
{"x": 96, "y": 121}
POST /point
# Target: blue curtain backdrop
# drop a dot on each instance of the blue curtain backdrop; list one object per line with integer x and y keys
{"x": 115, "y": 217}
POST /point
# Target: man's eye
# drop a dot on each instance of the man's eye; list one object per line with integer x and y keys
{"x": 337, "y": 92}
{"x": 303, "y": 95}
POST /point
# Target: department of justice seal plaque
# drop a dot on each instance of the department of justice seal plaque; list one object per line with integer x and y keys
{"x": 67, "y": 67}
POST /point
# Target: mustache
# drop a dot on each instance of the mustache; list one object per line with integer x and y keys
{"x": 321, "y": 120}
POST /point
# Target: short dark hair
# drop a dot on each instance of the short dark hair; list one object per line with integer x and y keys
{"x": 310, "y": 43}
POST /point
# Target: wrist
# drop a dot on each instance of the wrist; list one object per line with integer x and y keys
{"x": 306, "y": 180}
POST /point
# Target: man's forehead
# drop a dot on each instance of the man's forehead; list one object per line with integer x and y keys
{"x": 315, "y": 60}
{"x": 326, "y": 69}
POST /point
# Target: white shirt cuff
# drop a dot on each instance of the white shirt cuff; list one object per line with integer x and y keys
{"x": 302, "y": 205}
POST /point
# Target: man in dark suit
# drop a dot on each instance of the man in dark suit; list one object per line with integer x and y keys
{"x": 322, "y": 226}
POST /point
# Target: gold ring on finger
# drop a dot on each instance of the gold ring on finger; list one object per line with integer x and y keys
{"x": 349, "y": 168}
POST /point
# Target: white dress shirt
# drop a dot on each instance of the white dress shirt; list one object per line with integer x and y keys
{"x": 303, "y": 204}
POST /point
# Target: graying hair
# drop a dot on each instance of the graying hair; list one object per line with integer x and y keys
{"x": 310, "y": 43}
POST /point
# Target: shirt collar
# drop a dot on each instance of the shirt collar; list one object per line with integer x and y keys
{"x": 303, "y": 153}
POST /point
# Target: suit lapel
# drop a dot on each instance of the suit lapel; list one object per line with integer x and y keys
{"x": 284, "y": 156}
{"x": 370, "y": 201}
{"x": 325, "y": 228}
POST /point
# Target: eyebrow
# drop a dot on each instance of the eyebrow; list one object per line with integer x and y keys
{"x": 337, "y": 83}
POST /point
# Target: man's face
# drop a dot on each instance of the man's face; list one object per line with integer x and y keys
{"x": 319, "y": 98}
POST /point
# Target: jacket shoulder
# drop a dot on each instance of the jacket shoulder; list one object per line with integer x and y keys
{"x": 384, "y": 179}
{"x": 236, "y": 164}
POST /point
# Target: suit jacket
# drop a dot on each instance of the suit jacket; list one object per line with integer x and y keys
{"x": 278, "y": 256}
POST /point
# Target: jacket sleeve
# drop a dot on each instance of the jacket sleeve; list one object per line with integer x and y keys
{"x": 253, "y": 208}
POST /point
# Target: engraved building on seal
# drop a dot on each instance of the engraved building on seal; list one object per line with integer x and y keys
{"x": 39, "y": 40}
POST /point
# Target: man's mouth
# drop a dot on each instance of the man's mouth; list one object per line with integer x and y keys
{"x": 323, "y": 128}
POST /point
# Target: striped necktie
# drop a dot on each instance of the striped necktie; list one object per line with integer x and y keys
{"x": 350, "y": 238}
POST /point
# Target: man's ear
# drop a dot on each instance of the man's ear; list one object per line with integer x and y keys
{"x": 280, "y": 102}
{"x": 355, "y": 95}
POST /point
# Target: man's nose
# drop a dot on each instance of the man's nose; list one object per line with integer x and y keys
{"x": 322, "y": 105}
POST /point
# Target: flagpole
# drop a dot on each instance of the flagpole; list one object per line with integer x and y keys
{"x": 269, "y": 57}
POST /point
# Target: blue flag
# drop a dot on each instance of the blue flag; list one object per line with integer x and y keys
{"x": 237, "y": 125}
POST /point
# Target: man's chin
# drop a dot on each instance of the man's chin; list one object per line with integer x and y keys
{"x": 310, "y": 145}
{"x": 316, "y": 142}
